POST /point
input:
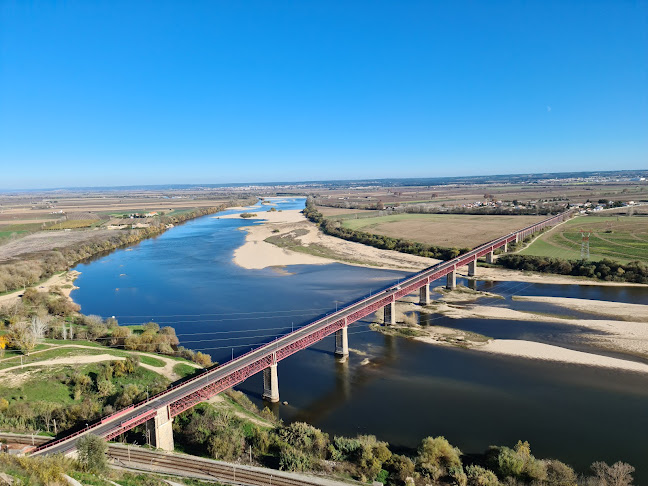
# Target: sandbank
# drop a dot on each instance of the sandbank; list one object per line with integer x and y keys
{"x": 547, "y": 352}
{"x": 617, "y": 310}
{"x": 318, "y": 248}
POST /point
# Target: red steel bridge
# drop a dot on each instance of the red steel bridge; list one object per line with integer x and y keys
{"x": 158, "y": 411}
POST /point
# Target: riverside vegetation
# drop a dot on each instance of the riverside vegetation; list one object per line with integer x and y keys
{"x": 304, "y": 448}
{"x": 32, "y": 268}
{"x": 46, "y": 325}
{"x": 608, "y": 270}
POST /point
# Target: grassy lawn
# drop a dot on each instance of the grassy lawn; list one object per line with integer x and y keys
{"x": 151, "y": 361}
{"x": 183, "y": 370}
{"x": 622, "y": 239}
{"x": 40, "y": 387}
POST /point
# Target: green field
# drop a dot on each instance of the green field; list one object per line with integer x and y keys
{"x": 622, "y": 239}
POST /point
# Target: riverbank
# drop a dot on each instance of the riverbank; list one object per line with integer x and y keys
{"x": 63, "y": 281}
{"x": 287, "y": 238}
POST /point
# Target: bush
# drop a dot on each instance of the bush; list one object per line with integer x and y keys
{"x": 293, "y": 460}
{"x": 560, "y": 474}
{"x": 400, "y": 468}
{"x": 226, "y": 444}
{"x": 479, "y": 476}
{"x": 306, "y": 438}
{"x": 517, "y": 463}
{"x": 436, "y": 456}
{"x": 92, "y": 453}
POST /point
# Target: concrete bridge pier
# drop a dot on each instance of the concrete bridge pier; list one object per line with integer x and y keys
{"x": 342, "y": 343}
{"x": 490, "y": 257}
{"x": 424, "y": 295}
{"x": 159, "y": 430}
{"x": 271, "y": 384}
{"x": 390, "y": 314}
{"x": 472, "y": 268}
{"x": 451, "y": 280}
{"x": 505, "y": 247}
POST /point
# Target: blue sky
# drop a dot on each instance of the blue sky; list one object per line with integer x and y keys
{"x": 135, "y": 92}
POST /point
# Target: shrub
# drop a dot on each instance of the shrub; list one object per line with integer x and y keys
{"x": 560, "y": 474}
{"x": 92, "y": 453}
{"x": 436, "y": 456}
{"x": 202, "y": 359}
{"x": 226, "y": 444}
{"x": 293, "y": 460}
{"x": 306, "y": 438}
{"x": 129, "y": 394}
{"x": 400, "y": 468}
{"x": 152, "y": 327}
{"x": 479, "y": 476}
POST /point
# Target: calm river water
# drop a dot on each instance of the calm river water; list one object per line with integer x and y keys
{"x": 185, "y": 278}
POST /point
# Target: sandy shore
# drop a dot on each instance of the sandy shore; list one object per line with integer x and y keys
{"x": 317, "y": 248}
{"x": 617, "y": 310}
{"x": 64, "y": 281}
{"x": 533, "y": 350}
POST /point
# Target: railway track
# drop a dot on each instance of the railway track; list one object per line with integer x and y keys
{"x": 201, "y": 468}
{"x": 192, "y": 466}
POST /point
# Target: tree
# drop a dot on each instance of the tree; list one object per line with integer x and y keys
{"x": 618, "y": 474}
{"x": 436, "y": 456}
{"x": 203, "y": 359}
{"x": 92, "y": 453}
{"x": 38, "y": 328}
{"x": 22, "y": 337}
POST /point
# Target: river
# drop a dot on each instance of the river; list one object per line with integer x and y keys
{"x": 397, "y": 389}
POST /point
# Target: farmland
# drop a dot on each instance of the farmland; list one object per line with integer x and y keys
{"x": 446, "y": 230}
{"x": 619, "y": 238}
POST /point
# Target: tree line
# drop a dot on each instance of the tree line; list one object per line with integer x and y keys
{"x": 32, "y": 268}
{"x": 302, "y": 447}
{"x": 609, "y": 270}
{"x": 335, "y": 228}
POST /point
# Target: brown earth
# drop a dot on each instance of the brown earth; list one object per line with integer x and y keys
{"x": 450, "y": 230}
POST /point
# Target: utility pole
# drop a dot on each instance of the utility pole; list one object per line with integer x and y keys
{"x": 585, "y": 246}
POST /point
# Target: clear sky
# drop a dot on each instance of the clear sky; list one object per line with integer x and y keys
{"x": 148, "y": 92}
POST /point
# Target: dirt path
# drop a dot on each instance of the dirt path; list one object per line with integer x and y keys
{"x": 166, "y": 370}
{"x": 71, "y": 360}
{"x": 65, "y": 281}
